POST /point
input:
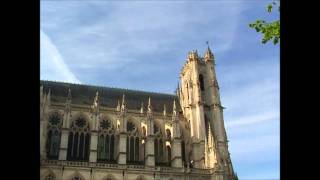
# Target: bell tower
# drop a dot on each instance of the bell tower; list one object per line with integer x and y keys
{"x": 200, "y": 102}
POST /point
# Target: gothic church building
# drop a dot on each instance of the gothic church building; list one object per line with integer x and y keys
{"x": 102, "y": 133}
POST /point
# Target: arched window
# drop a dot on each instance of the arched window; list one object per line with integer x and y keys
{"x": 159, "y": 146}
{"x": 156, "y": 129}
{"x": 106, "y": 142}
{"x": 156, "y": 148}
{"x": 50, "y": 177}
{"x": 188, "y": 91}
{"x": 201, "y": 81}
{"x": 206, "y": 124}
{"x": 53, "y": 135}
{"x": 168, "y": 133}
{"x": 144, "y": 132}
{"x": 133, "y": 144}
{"x": 79, "y": 140}
{"x": 183, "y": 153}
{"x": 169, "y": 155}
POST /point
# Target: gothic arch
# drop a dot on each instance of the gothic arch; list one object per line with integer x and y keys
{"x": 136, "y": 123}
{"x": 158, "y": 125}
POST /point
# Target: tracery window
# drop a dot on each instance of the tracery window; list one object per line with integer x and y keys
{"x": 53, "y": 135}
{"x": 134, "y": 144}
{"x": 106, "y": 142}
{"x": 79, "y": 140}
{"x": 160, "y": 152}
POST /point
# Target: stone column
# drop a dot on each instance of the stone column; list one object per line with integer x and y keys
{"x": 176, "y": 160}
{"x": 93, "y": 146}
{"x": 64, "y": 144}
{"x": 149, "y": 155}
{"x": 122, "y": 153}
{"x": 198, "y": 153}
{"x": 43, "y": 139}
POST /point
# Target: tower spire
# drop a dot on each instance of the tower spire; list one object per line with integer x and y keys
{"x": 164, "y": 110}
{"x": 208, "y": 54}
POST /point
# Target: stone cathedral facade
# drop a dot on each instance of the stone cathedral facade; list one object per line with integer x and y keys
{"x": 102, "y": 133}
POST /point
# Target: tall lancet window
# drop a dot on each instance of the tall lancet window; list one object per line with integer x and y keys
{"x": 201, "y": 81}
{"x": 159, "y": 147}
{"x": 183, "y": 154}
{"x": 106, "y": 141}
{"x": 79, "y": 140}
{"x": 206, "y": 124}
{"x": 134, "y": 144}
{"x": 168, "y": 155}
{"x": 53, "y": 136}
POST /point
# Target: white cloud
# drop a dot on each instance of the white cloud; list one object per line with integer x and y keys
{"x": 133, "y": 30}
{"x": 252, "y": 119}
{"x": 52, "y": 66}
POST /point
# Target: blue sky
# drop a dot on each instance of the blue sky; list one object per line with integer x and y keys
{"x": 143, "y": 45}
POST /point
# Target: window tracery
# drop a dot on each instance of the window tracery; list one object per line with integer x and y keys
{"x": 53, "y": 135}
{"x": 79, "y": 140}
{"x": 106, "y": 142}
{"x": 134, "y": 144}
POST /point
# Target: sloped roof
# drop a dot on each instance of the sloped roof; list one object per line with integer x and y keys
{"x": 84, "y": 95}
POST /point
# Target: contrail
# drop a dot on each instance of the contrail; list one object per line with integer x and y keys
{"x": 52, "y": 65}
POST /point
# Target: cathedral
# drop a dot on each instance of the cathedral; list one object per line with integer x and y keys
{"x": 102, "y": 133}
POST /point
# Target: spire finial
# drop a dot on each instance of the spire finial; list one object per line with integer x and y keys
{"x": 141, "y": 109}
{"x": 96, "y": 98}
{"x": 208, "y": 54}
{"x": 69, "y": 94}
{"x": 123, "y": 100}
{"x": 149, "y": 105}
{"x": 118, "y": 106}
{"x": 174, "y": 108}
